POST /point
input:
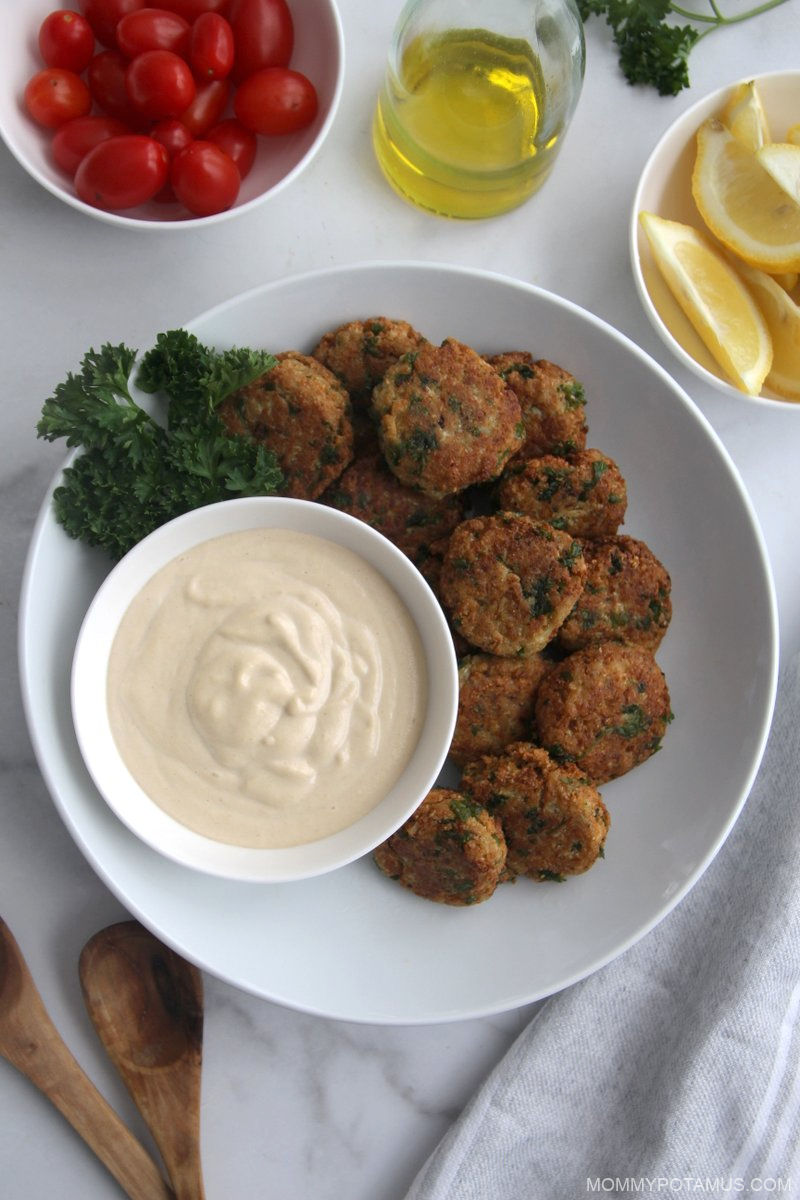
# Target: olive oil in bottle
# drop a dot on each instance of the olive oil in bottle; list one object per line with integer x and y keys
{"x": 467, "y": 124}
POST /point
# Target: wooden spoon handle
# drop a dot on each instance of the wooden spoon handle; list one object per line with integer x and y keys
{"x": 48, "y": 1063}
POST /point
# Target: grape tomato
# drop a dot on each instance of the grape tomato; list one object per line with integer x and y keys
{"x": 191, "y": 9}
{"x": 276, "y": 100}
{"x": 159, "y": 84}
{"x": 211, "y": 46}
{"x": 152, "y": 29}
{"x": 122, "y": 172}
{"x": 106, "y": 78}
{"x": 73, "y": 140}
{"x": 206, "y": 109}
{"x": 55, "y": 95}
{"x": 205, "y": 179}
{"x": 239, "y": 143}
{"x": 263, "y": 34}
{"x": 172, "y": 134}
{"x": 66, "y": 39}
{"x": 105, "y": 15}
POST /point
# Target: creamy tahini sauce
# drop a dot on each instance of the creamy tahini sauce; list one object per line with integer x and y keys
{"x": 267, "y": 688}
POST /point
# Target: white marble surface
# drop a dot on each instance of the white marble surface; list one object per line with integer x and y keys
{"x": 297, "y": 1106}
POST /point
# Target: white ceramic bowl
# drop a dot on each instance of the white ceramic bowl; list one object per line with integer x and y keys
{"x": 665, "y": 188}
{"x": 318, "y": 53}
{"x": 150, "y": 822}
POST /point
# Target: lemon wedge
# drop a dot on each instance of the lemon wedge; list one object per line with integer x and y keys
{"x": 783, "y": 321}
{"x": 714, "y": 298}
{"x": 793, "y": 134}
{"x": 781, "y": 160}
{"x": 745, "y": 117}
{"x": 742, "y": 204}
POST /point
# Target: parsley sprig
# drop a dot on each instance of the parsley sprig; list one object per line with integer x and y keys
{"x": 135, "y": 472}
{"x": 654, "y": 50}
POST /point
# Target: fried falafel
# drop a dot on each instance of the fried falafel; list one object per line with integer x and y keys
{"x": 553, "y": 818}
{"x": 496, "y": 697}
{"x": 552, "y": 402}
{"x": 508, "y": 582}
{"x": 626, "y": 596}
{"x": 451, "y": 850}
{"x": 446, "y": 420}
{"x": 585, "y": 494}
{"x": 604, "y": 708}
{"x": 301, "y": 412}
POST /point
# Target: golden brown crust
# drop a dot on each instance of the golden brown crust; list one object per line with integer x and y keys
{"x": 446, "y": 419}
{"x": 626, "y": 596}
{"x": 584, "y": 495}
{"x": 604, "y": 708}
{"x": 360, "y": 352}
{"x": 301, "y": 412}
{"x": 552, "y": 403}
{"x": 554, "y": 820}
{"x": 450, "y": 850}
{"x": 416, "y": 523}
{"x": 495, "y": 703}
{"x": 508, "y": 582}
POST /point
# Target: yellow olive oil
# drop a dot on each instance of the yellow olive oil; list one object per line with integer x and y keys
{"x": 458, "y": 124}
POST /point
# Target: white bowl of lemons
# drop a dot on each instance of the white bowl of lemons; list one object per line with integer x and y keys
{"x": 715, "y": 239}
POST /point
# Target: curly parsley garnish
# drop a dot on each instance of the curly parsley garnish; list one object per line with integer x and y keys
{"x": 653, "y": 50}
{"x": 136, "y": 472}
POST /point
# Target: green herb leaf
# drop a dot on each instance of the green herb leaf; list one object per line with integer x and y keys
{"x": 653, "y": 50}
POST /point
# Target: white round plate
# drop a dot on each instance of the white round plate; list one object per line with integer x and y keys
{"x": 352, "y": 944}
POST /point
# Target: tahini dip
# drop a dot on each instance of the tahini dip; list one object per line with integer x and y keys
{"x": 267, "y": 688}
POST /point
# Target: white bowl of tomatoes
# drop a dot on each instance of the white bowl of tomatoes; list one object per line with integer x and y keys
{"x": 171, "y": 116}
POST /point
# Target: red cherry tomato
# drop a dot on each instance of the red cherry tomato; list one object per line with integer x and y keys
{"x": 211, "y": 47}
{"x": 122, "y": 172}
{"x": 160, "y": 84}
{"x": 205, "y": 179}
{"x": 106, "y": 78}
{"x": 276, "y": 100}
{"x": 172, "y": 134}
{"x": 239, "y": 143}
{"x": 105, "y": 15}
{"x": 207, "y": 107}
{"x": 73, "y": 141}
{"x": 174, "y": 137}
{"x": 152, "y": 29}
{"x": 54, "y": 96}
{"x": 66, "y": 40}
{"x": 191, "y": 9}
{"x": 263, "y": 34}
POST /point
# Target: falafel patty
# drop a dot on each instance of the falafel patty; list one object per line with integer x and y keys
{"x": 495, "y": 703}
{"x": 508, "y": 582}
{"x": 416, "y": 523}
{"x": 360, "y": 352}
{"x": 551, "y": 399}
{"x": 585, "y": 494}
{"x": 446, "y": 418}
{"x": 604, "y": 708}
{"x": 450, "y": 850}
{"x": 626, "y": 596}
{"x": 301, "y": 412}
{"x": 554, "y": 820}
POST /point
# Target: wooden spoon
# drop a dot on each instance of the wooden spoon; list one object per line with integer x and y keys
{"x": 146, "y": 1004}
{"x": 31, "y": 1043}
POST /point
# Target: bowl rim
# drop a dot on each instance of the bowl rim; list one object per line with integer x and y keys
{"x": 686, "y": 122}
{"x": 142, "y": 815}
{"x": 119, "y": 218}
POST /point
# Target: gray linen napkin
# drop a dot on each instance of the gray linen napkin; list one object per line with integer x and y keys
{"x": 676, "y": 1069}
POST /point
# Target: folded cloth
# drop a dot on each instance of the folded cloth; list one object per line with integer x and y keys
{"x": 676, "y": 1069}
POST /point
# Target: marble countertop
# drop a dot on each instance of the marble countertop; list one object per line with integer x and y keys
{"x": 296, "y": 1105}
